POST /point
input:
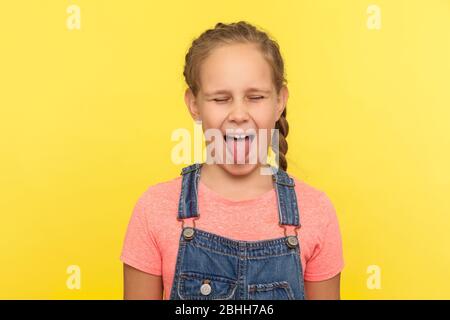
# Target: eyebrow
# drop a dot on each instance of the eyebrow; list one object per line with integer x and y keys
{"x": 267, "y": 91}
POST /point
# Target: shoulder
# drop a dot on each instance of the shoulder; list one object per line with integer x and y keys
{"x": 159, "y": 199}
{"x": 164, "y": 189}
{"x": 315, "y": 205}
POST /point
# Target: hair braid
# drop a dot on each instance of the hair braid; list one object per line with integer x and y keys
{"x": 283, "y": 128}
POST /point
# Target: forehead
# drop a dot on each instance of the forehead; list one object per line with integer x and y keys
{"x": 235, "y": 67}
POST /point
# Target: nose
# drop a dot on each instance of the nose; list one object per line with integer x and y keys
{"x": 238, "y": 113}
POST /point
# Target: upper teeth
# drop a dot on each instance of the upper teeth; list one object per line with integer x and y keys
{"x": 237, "y": 136}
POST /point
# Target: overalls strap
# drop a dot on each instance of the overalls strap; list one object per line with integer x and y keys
{"x": 188, "y": 204}
{"x": 287, "y": 199}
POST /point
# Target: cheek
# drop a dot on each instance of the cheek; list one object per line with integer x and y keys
{"x": 264, "y": 116}
{"x": 212, "y": 117}
{"x": 211, "y": 121}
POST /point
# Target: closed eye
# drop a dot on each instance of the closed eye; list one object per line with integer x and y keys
{"x": 220, "y": 100}
{"x": 257, "y": 97}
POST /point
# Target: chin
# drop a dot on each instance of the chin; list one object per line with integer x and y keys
{"x": 239, "y": 169}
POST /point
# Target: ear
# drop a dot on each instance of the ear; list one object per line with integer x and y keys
{"x": 190, "y": 101}
{"x": 283, "y": 96}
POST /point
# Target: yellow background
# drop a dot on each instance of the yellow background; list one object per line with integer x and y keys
{"x": 86, "y": 118}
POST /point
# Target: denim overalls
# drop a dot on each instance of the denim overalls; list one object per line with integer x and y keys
{"x": 210, "y": 267}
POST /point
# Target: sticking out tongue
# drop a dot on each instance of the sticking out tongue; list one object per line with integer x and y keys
{"x": 239, "y": 149}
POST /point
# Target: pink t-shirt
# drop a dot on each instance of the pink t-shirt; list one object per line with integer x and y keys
{"x": 152, "y": 237}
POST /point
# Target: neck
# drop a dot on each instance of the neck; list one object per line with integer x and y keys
{"x": 220, "y": 180}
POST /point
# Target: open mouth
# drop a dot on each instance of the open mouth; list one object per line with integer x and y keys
{"x": 239, "y": 146}
{"x": 238, "y": 137}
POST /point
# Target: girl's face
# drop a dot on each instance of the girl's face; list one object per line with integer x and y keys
{"x": 237, "y": 95}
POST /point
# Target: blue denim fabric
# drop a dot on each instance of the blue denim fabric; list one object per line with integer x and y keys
{"x": 233, "y": 269}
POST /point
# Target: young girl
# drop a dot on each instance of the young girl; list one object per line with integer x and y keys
{"x": 225, "y": 230}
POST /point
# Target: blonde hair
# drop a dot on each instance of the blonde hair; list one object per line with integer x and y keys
{"x": 239, "y": 32}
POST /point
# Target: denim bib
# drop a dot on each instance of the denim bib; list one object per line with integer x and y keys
{"x": 213, "y": 267}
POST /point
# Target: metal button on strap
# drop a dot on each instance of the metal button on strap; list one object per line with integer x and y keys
{"x": 292, "y": 241}
{"x": 188, "y": 233}
{"x": 205, "y": 289}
